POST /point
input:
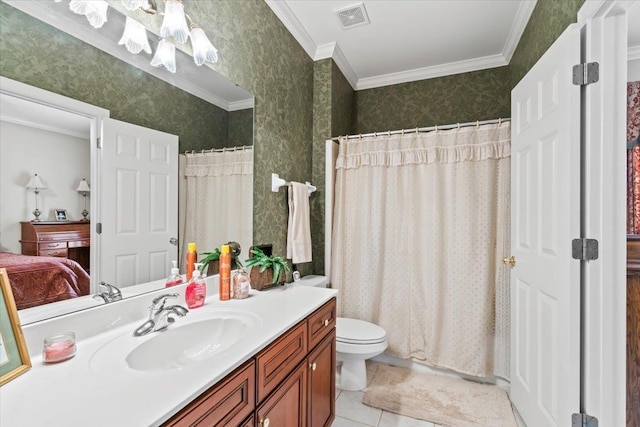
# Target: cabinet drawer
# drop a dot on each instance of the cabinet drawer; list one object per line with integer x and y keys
{"x": 54, "y": 252}
{"x": 321, "y": 322}
{"x": 280, "y": 358}
{"x": 225, "y": 404}
{"x": 83, "y": 243}
{"x": 52, "y": 245}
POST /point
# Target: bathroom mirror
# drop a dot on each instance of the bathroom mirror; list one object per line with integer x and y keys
{"x": 219, "y": 115}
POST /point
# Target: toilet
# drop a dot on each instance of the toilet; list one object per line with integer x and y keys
{"x": 356, "y": 341}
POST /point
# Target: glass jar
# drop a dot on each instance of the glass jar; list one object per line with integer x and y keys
{"x": 59, "y": 347}
{"x": 241, "y": 284}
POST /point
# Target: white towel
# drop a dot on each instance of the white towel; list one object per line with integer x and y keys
{"x": 299, "y": 232}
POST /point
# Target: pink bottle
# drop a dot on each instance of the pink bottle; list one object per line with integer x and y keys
{"x": 196, "y": 289}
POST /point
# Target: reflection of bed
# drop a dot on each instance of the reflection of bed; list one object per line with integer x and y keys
{"x": 37, "y": 280}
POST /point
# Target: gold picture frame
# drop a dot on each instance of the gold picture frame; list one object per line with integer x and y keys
{"x": 14, "y": 356}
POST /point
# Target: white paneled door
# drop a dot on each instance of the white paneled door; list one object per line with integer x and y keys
{"x": 138, "y": 203}
{"x": 545, "y": 217}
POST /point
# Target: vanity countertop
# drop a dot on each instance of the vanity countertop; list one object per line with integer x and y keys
{"x": 79, "y": 392}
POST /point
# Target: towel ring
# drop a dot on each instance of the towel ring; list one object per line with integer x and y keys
{"x": 499, "y": 121}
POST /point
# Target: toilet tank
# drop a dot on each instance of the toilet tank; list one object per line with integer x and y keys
{"x": 314, "y": 280}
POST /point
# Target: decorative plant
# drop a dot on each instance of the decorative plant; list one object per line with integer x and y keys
{"x": 209, "y": 258}
{"x": 261, "y": 261}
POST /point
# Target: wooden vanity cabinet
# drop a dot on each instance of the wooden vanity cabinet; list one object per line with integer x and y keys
{"x": 291, "y": 383}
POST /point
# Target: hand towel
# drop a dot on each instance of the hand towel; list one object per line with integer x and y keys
{"x": 299, "y": 231}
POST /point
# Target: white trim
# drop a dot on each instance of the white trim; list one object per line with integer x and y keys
{"x": 433, "y": 71}
{"x": 633, "y": 53}
{"x": 32, "y": 124}
{"x": 345, "y": 68}
{"x": 288, "y": 18}
{"x": 604, "y": 192}
{"x": 324, "y": 51}
{"x": 517, "y": 29}
{"x": 241, "y": 105}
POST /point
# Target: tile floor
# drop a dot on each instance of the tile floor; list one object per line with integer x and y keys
{"x": 351, "y": 412}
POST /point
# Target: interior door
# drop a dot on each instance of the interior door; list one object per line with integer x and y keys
{"x": 138, "y": 203}
{"x": 545, "y": 217}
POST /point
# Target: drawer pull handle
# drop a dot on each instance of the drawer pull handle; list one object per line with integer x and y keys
{"x": 326, "y": 322}
{"x": 312, "y": 366}
{"x": 265, "y": 422}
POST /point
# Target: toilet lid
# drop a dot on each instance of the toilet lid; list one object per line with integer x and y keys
{"x": 354, "y": 331}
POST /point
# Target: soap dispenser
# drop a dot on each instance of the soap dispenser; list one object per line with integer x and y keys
{"x": 196, "y": 289}
{"x": 174, "y": 278}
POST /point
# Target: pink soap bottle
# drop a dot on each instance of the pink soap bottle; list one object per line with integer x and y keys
{"x": 196, "y": 289}
{"x": 174, "y": 278}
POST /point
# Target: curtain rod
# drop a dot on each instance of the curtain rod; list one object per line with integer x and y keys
{"x": 426, "y": 129}
{"x": 220, "y": 150}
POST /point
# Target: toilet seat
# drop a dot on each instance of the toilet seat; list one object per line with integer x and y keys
{"x": 358, "y": 332}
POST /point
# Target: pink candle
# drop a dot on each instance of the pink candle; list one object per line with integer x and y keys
{"x": 59, "y": 347}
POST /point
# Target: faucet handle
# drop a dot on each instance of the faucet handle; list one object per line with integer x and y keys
{"x": 160, "y": 300}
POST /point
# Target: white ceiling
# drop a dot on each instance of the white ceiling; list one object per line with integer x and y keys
{"x": 411, "y": 40}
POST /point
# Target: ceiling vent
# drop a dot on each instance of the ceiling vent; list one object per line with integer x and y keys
{"x": 353, "y": 16}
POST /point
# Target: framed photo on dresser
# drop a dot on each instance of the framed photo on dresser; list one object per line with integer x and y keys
{"x": 61, "y": 214}
{"x": 14, "y": 357}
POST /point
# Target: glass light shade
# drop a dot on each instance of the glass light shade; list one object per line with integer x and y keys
{"x": 83, "y": 187}
{"x": 165, "y": 56}
{"x": 203, "y": 50}
{"x": 94, "y": 10}
{"x": 174, "y": 23}
{"x": 134, "y": 37}
{"x": 35, "y": 182}
{"x": 135, "y": 4}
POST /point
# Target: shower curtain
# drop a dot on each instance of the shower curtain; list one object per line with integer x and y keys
{"x": 421, "y": 227}
{"x": 216, "y": 200}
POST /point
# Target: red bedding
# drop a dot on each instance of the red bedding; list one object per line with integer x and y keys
{"x": 37, "y": 280}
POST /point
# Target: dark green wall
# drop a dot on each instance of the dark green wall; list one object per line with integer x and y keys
{"x": 548, "y": 20}
{"x": 240, "y": 128}
{"x": 467, "y": 97}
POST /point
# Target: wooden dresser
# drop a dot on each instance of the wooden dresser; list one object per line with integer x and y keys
{"x": 69, "y": 239}
{"x": 633, "y": 331}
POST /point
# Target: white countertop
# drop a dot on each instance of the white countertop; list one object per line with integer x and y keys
{"x": 79, "y": 392}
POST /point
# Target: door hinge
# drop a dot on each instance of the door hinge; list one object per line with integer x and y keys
{"x": 583, "y": 420}
{"x": 585, "y": 74}
{"x": 99, "y": 227}
{"x": 584, "y": 249}
{"x": 99, "y": 142}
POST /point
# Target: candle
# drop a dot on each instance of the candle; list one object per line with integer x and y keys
{"x": 59, "y": 347}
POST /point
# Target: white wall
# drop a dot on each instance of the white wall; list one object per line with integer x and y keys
{"x": 633, "y": 70}
{"x": 60, "y": 160}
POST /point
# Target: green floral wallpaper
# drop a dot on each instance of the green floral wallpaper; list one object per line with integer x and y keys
{"x": 467, "y": 97}
{"x": 40, "y": 55}
{"x": 240, "y": 128}
{"x": 548, "y": 20}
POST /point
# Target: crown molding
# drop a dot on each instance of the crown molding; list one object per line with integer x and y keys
{"x": 450, "y": 68}
{"x": 54, "y": 129}
{"x": 240, "y": 105}
{"x": 291, "y": 23}
{"x": 633, "y": 53}
{"x": 517, "y": 29}
{"x": 324, "y": 51}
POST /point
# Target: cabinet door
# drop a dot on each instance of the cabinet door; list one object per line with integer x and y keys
{"x": 322, "y": 383}
{"x": 287, "y": 405}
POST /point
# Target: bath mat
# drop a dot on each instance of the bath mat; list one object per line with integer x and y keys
{"x": 450, "y": 402}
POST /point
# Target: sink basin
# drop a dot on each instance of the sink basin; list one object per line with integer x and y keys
{"x": 199, "y": 336}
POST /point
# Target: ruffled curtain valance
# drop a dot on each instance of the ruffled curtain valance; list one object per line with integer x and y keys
{"x": 220, "y": 163}
{"x": 449, "y": 146}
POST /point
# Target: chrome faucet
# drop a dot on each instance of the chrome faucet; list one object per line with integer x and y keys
{"x": 112, "y": 294}
{"x": 160, "y": 317}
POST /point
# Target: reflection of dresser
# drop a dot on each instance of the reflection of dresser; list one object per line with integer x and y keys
{"x": 69, "y": 239}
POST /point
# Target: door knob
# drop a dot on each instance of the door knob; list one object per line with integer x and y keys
{"x": 265, "y": 422}
{"x": 312, "y": 366}
{"x": 173, "y": 241}
{"x": 511, "y": 260}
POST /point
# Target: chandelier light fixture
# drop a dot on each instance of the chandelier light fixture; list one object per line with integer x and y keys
{"x": 134, "y": 38}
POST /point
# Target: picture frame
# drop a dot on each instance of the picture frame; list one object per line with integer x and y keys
{"x": 61, "y": 214}
{"x": 14, "y": 355}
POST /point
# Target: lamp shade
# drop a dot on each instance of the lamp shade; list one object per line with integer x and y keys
{"x": 35, "y": 182}
{"x": 83, "y": 187}
{"x": 134, "y": 37}
{"x": 174, "y": 23}
{"x": 203, "y": 50}
{"x": 165, "y": 56}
